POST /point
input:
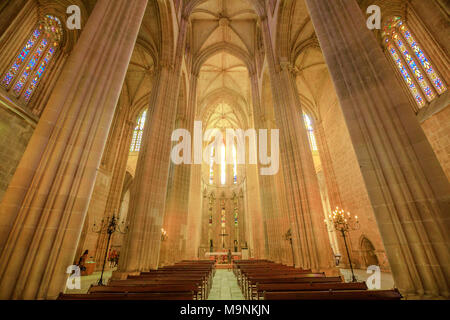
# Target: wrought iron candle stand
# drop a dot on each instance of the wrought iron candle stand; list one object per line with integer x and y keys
{"x": 288, "y": 236}
{"x": 109, "y": 226}
{"x": 344, "y": 223}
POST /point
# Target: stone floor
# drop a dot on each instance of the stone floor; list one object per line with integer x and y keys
{"x": 225, "y": 286}
{"x": 87, "y": 281}
{"x": 386, "y": 280}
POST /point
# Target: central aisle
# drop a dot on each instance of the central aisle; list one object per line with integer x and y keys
{"x": 225, "y": 286}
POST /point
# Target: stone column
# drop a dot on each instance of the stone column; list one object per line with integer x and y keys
{"x": 147, "y": 208}
{"x": 9, "y": 9}
{"x": 327, "y": 165}
{"x": 406, "y": 185}
{"x": 332, "y": 187}
{"x": 312, "y": 249}
{"x": 194, "y": 224}
{"x": 176, "y": 219}
{"x": 254, "y": 183}
{"x": 434, "y": 14}
{"x": 45, "y": 205}
{"x": 194, "y": 217}
{"x": 121, "y": 140}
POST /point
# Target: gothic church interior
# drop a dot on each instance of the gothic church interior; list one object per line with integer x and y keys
{"x": 356, "y": 122}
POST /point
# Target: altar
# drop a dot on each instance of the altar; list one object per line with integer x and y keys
{"x": 222, "y": 256}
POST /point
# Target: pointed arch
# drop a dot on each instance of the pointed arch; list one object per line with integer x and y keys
{"x": 229, "y": 48}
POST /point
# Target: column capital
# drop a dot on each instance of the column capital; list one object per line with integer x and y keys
{"x": 262, "y": 117}
{"x": 180, "y": 117}
{"x": 185, "y": 17}
{"x": 290, "y": 67}
{"x": 195, "y": 74}
{"x": 130, "y": 123}
{"x": 164, "y": 64}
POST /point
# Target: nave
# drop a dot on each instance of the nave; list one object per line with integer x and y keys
{"x": 113, "y": 155}
{"x": 249, "y": 280}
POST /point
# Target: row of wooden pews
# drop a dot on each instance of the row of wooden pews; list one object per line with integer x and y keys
{"x": 263, "y": 279}
{"x": 186, "y": 280}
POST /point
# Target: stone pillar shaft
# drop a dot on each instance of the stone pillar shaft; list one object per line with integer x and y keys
{"x": 406, "y": 185}
{"x": 45, "y": 205}
{"x": 143, "y": 242}
{"x": 254, "y": 190}
{"x": 119, "y": 152}
{"x": 301, "y": 190}
{"x": 177, "y": 212}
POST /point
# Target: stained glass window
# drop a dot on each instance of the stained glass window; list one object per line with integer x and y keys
{"x": 138, "y": 132}
{"x": 223, "y": 165}
{"x": 223, "y": 220}
{"x": 437, "y": 82}
{"x": 406, "y": 77}
{"x": 12, "y": 72}
{"x": 33, "y": 60}
{"x": 234, "y": 165}
{"x": 311, "y": 136}
{"x": 211, "y": 167}
{"x": 415, "y": 68}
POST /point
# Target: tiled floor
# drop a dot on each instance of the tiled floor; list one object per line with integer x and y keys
{"x": 225, "y": 286}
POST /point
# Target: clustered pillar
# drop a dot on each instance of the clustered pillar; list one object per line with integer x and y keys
{"x": 300, "y": 189}
{"x": 407, "y": 187}
{"x": 44, "y": 208}
{"x": 148, "y": 202}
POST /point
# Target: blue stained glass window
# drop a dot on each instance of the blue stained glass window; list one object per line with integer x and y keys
{"x": 415, "y": 68}
{"x": 34, "y": 59}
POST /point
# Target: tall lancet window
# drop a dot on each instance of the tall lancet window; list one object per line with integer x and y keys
{"x": 311, "y": 136}
{"x": 138, "y": 132}
{"x": 415, "y": 68}
{"x": 211, "y": 167}
{"x": 234, "y": 165}
{"x": 223, "y": 165}
{"x": 29, "y": 66}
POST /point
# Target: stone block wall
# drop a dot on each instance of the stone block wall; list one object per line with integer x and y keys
{"x": 437, "y": 130}
{"x": 352, "y": 190}
{"x": 15, "y": 133}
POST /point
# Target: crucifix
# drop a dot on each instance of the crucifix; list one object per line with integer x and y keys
{"x": 223, "y": 235}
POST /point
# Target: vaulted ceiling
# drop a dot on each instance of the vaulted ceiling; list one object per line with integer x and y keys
{"x": 232, "y": 25}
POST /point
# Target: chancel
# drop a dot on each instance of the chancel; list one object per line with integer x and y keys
{"x": 349, "y": 125}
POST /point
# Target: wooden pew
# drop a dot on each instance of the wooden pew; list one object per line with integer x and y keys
{"x": 205, "y": 283}
{"x": 251, "y": 286}
{"x": 158, "y": 288}
{"x": 128, "y": 296}
{"x": 262, "y": 288}
{"x": 334, "y": 295}
{"x": 251, "y": 280}
{"x": 204, "y": 286}
{"x": 186, "y": 280}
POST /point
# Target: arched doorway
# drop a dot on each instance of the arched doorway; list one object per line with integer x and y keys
{"x": 368, "y": 252}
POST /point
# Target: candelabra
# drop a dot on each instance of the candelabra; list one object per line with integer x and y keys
{"x": 344, "y": 223}
{"x": 109, "y": 226}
